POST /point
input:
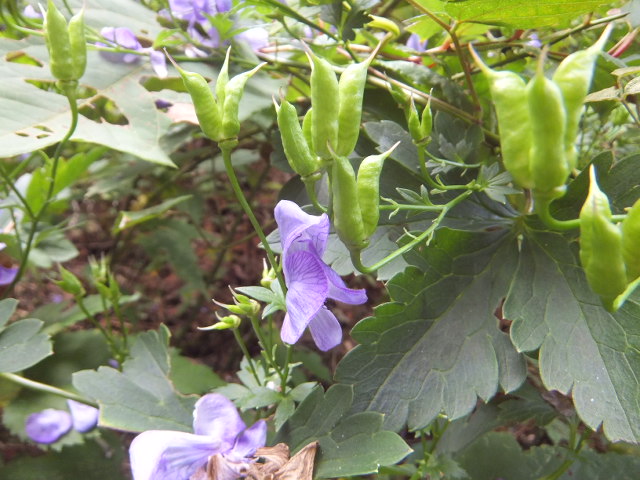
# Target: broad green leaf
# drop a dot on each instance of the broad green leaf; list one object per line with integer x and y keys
{"x": 482, "y": 463}
{"x": 41, "y": 118}
{"x": 129, "y": 219}
{"x": 515, "y": 13}
{"x": 190, "y": 377}
{"x": 437, "y": 347}
{"x": 22, "y": 344}
{"x": 51, "y": 246}
{"x": 583, "y": 349}
{"x": 349, "y": 445}
{"x": 141, "y": 397}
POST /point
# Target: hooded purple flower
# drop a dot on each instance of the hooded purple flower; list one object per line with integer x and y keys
{"x": 49, "y": 425}
{"x": 309, "y": 280}
{"x": 195, "y": 12}
{"x": 416, "y": 44}
{"x": 125, "y": 38}
{"x": 218, "y": 431}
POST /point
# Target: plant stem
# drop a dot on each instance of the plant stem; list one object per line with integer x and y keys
{"x": 355, "y": 255}
{"x": 226, "y": 155}
{"x": 245, "y": 351}
{"x": 43, "y": 387}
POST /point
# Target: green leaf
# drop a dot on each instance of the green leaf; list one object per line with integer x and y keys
{"x": 21, "y": 343}
{"x": 583, "y": 349}
{"x": 129, "y": 219}
{"x": 141, "y": 397}
{"x": 349, "y": 445}
{"x": 515, "y": 13}
{"x": 437, "y": 346}
{"x": 190, "y": 377}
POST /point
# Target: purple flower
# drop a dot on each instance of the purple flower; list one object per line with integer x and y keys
{"x": 534, "y": 41}
{"x": 7, "y": 274}
{"x": 309, "y": 280}
{"x": 31, "y": 12}
{"x": 125, "y": 38}
{"x": 49, "y": 425}
{"x": 219, "y": 432}
{"x": 255, "y": 37}
{"x": 414, "y": 43}
{"x": 196, "y": 13}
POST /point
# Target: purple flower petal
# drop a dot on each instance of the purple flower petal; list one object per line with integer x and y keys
{"x": 325, "y": 329}
{"x": 223, "y": 5}
{"x": 167, "y": 455}
{"x": 159, "y": 63}
{"x": 48, "y": 425}
{"x": 256, "y": 38}
{"x": 296, "y": 225}
{"x": 339, "y": 291}
{"x": 307, "y": 291}
{"x": 416, "y": 44}
{"x": 249, "y": 441}
{"x": 31, "y": 12}
{"x": 85, "y": 417}
{"x": 7, "y": 275}
{"x": 216, "y": 416}
{"x": 121, "y": 36}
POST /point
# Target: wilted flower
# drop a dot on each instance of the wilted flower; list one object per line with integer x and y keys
{"x": 125, "y": 38}
{"x": 219, "y": 435}
{"x": 49, "y": 425}
{"x": 309, "y": 280}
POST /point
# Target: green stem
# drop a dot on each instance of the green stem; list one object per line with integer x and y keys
{"x": 421, "y": 208}
{"x": 285, "y": 373}
{"x": 107, "y": 335}
{"x": 226, "y": 155}
{"x": 245, "y": 351}
{"x": 355, "y": 255}
{"x": 267, "y": 350}
{"x": 311, "y": 191}
{"x": 43, "y": 387}
{"x": 56, "y": 158}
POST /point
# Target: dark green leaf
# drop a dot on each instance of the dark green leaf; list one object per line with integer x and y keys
{"x": 141, "y": 397}
{"x": 583, "y": 349}
{"x": 437, "y": 347}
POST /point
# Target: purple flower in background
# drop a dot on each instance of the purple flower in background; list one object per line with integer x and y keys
{"x": 195, "y": 12}
{"x": 414, "y": 43}
{"x": 309, "y": 280}
{"x": 125, "y": 38}
{"x": 219, "y": 432}
{"x": 255, "y": 37}
{"x": 534, "y": 41}
{"x": 49, "y": 425}
{"x": 31, "y": 12}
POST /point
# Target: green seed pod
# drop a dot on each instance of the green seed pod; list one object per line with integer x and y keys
{"x": 223, "y": 79}
{"x": 351, "y": 91}
{"x": 549, "y": 167}
{"x": 573, "y": 77}
{"x": 58, "y": 43}
{"x": 347, "y": 217}
{"x": 307, "y": 122}
{"x": 78, "y": 45}
{"x": 631, "y": 242}
{"x": 601, "y": 246}
{"x": 413, "y": 122}
{"x": 70, "y": 283}
{"x": 204, "y": 102}
{"x": 368, "y": 189}
{"x": 508, "y": 92}
{"x": 232, "y": 95}
{"x": 296, "y": 149}
{"x": 325, "y": 99}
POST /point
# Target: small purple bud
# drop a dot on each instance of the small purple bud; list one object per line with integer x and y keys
{"x": 416, "y": 44}
{"x": 535, "y": 41}
{"x": 31, "y": 12}
{"x": 48, "y": 425}
{"x": 84, "y": 417}
{"x": 7, "y": 275}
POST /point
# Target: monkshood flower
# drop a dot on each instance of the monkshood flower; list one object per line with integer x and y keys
{"x": 309, "y": 280}
{"x": 49, "y": 425}
{"x": 125, "y": 38}
{"x": 195, "y": 12}
{"x": 219, "y": 432}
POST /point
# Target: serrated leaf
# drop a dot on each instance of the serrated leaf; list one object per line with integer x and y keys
{"x": 22, "y": 344}
{"x": 141, "y": 397}
{"x": 437, "y": 347}
{"x": 584, "y": 350}
{"x": 349, "y": 445}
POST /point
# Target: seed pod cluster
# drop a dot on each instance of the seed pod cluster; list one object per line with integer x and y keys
{"x": 66, "y": 44}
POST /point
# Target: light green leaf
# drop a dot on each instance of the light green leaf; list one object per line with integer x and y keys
{"x": 349, "y": 445}
{"x": 21, "y": 343}
{"x": 141, "y": 397}
{"x": 191, "y": 377}
{"x": 437, "y": 347}
{"x": 515, "y": 13}
{"x": 584, "y": 350}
